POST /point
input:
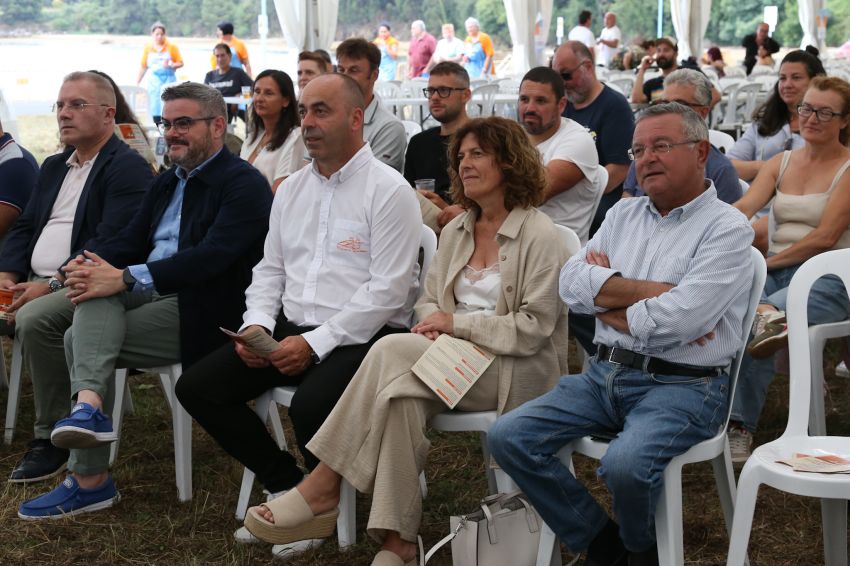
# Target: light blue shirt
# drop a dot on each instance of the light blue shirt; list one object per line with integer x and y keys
{"x": 753, "y": 147}
{"x": 166, "y": 238}
{"x": 703, "y": 248}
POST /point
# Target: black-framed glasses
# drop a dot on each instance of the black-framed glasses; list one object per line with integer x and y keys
{"x": 823, "y": 114}
{"x": 638, "y": 151}
{"x": 568, "y": 75}
{"x": 74, "y": 106}
{"x": 181, "y": 125}
{"x": 442, "y": 91}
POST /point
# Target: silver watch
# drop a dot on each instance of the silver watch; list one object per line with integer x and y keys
{"x": 54, "y": 284}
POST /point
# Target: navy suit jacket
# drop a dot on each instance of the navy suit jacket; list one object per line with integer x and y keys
{"x": 111, "y": 194}
{"x": 223, "y": 225}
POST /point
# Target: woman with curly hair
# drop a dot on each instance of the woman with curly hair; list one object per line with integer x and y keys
{"x": 494, "y": 282}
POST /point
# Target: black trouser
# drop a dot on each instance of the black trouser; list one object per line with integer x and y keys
{"x": 216, "y": 389}
{"x": 583, "y": 329}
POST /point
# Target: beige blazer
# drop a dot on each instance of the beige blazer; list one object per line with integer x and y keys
{"x": 529, "y": 330}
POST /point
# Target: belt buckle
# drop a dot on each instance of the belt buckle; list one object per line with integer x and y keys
{"x": 611, "y": 357}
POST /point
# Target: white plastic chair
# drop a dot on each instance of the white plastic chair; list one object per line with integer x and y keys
{"x": 762, "y": 468}
{"x": 818, "y": 335}
{"x": 14, "y": 382}
{"x": 346, "y": 522}
{"x": 136, "y": 97}
{"x": 410, "y": 128}
{"x": 481, "y": 103}
{"x": 668, "y": 513}
{"x": 182, "y": 423}
{"x": 622, "y": 84}
{"x": 721, "y": 140}
{"x": 387, "y": 89}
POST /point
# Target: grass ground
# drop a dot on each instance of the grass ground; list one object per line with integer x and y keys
{"x": 149, "y": 525}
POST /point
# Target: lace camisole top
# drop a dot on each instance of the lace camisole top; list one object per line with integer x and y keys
{"x": 477, "y": 291}
{"x": 797, "y": 215}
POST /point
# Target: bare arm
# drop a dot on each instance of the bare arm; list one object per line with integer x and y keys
{"x": 638, "y": 97}
{"x": 747, "y": 170}
{"x": 621, "y": 293}
{"x": 561, "y": 176}
{"x": 142, "y": 71}
{"x": 616, "y": 175}
{"x": 617, "y": 319}
{"x": 8, "y": 216}
{"x": 762, "y": 188}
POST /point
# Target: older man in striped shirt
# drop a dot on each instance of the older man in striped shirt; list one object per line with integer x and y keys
{"x": 667, "y": 277}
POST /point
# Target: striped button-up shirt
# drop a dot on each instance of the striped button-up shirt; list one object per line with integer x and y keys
{"x": 703, "y": 248}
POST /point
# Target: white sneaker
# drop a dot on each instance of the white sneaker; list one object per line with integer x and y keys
{"x": 293, "y": 549}
{"x": 841, "y": 370}
{"x": 740, "y": 443}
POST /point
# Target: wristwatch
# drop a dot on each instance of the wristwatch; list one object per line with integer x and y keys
{"x": 54, "y": 284}
{"x": 128, "y": 279}
{"x": 314, "y": 357}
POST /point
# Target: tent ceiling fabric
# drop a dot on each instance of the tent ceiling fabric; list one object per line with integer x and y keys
{"x": 308, "y": 24}
{"x": 522, "y": 24}
{"x": 808, "y": 13}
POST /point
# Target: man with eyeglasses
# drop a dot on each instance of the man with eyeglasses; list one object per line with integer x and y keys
{"x": 359, "y": 59}
{"x": 693, "y": 89}
{"x": 658, "y": 384}
{"x": 566, "y": 149}
{"x": 156, "y": 293}
{"x": 426, "y": 157}
{"x": 83, "y": 195}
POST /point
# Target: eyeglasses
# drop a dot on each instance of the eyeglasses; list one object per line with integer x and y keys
{"x": 568, "y": 75}
{"x": 181, "y": 125}
{"x": 74, "y": 106}
{"x": 638, "y": 151}
{"x": 824, "y": 114}
{"x": 442, "y": 91}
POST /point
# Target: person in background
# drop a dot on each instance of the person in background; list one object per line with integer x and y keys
{"x": 666, "y": 54}
{"x": 582, "y": 32}
{"x": 274, "y": 144}
{"x": 228, "y": 80}
{"x": 633, "y": 55}
{"x": 609, "y": 40}
{"x": 161, "y": 58}
{"x": 388, "y": 45}
{"x": 311, "y": 64}
{"x": 449, "y": 48}
{"x": 810, "y": 192}
{"x": 478, "y": 51}
{"x": 123, "y": 113}
{"x": 764, "y": 58}
{"x": 753, "y": 41}
{"x": 494, "y": 283}
{"x": 239, "y": 52}
{"x": 18, "y": 177}
{"x": 714, "y": 58}
{"x": 422, "y": 45}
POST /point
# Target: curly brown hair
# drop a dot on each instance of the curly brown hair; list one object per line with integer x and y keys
{"x": 519, "y": 161}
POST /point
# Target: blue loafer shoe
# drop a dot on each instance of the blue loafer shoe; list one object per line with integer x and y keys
{"x": 68, "y": 498}
{"x": 86, "y": 427}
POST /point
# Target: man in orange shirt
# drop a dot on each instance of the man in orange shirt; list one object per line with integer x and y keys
{"x": 224, "y": 32}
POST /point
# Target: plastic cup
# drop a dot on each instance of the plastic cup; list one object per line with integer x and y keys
{"x": 246, "y": 92}
{"x": 424, "y": 184}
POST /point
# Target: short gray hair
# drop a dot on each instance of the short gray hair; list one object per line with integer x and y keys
{"x": 470, "y": 21}
{"x": 693, "y": 126}
{"x": 106, "y": 93}
{"x": 211, "y": 101}
{"x": 692, "y": 78}
{"x": 420, "y": 24}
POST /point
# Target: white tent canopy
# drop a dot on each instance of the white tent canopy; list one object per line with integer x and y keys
{"x": 808, "y": 11}
{"x": 308, "y": 24}
{"x": 528, "y": 23}
{"x": 690, "y": 20}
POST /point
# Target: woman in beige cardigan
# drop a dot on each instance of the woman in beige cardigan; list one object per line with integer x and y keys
{"x": 494, "y": 282}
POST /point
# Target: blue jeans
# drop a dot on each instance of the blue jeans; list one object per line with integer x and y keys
{"x": 828, "y": 302}
{"x": 655, "y": 417}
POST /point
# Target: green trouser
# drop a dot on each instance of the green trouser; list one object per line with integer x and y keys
{"x": 40, "y": 327}
{"x": 124, "y": 330}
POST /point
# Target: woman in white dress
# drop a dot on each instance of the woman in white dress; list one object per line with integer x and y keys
{"x": 273, "y": 144}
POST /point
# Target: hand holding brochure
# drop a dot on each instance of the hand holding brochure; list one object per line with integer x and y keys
{"x": 451, "y": 366}
{"x": 255, "y": 339}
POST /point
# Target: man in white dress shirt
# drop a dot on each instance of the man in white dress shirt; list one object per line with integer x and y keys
{"x": 668, "y": 282}
{"x": 338, "y": 273}
{"x": 566, "y": 148}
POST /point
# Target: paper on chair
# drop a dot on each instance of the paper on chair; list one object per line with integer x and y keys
{"x": 255, "y": 339}
{"x": 451, "y": 366}
{"x": 822, "y": 463}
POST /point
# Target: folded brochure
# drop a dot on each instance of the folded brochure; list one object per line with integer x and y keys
{"x": 255, "y": 339}
{"x": 451, "y": 366}
{"x": 824, "y": 463}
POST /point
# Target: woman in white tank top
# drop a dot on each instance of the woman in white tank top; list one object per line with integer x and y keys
{"x": 811, "y": 187}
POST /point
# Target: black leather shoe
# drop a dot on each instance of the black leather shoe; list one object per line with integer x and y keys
{"x": 606, "y": 548}
{"x": 41, "y": 461}
{"x": 648, "y": 557}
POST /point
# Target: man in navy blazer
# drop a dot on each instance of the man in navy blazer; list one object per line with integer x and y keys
{"x": 157, "y": 292}
{"x": 83, "y": 195}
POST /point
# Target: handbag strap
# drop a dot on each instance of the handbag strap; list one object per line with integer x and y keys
{"x": 445, "y": 540}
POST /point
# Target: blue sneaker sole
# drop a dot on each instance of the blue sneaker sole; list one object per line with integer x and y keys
{"x": 77, "y": 437}
{"x": 87, "y": 509}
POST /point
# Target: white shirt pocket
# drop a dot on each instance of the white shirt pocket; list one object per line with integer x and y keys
{"x": 349, "y": 244}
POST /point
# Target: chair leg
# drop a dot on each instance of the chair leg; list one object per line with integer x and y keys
{"x": 548, "y": 549}
{"x": 817, "y": 412}
{"x": 724, "y": 477}
{"x": 346, "y": 523}
{"x": 277, "y": 426}
{"x": 182, "y": 423}
{"x": 14, "y": 392}
{"x": 491, "y": 476}
{"x": 122, "y": 392}
{"x": 668, "y": 518}
{"x": 4, "y": 377}
{"x": 742, "y": 524}
{"x": 423, "y": 484}
{"x": 834, "y": 514}
{"x": 261, "y": 407}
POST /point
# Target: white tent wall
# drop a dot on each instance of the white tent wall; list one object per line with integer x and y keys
{"x": 808, "y": 12}
{"x": 308, "y": 24}
{"x": 690, "y": 20}
{"x": 522, "y": 24}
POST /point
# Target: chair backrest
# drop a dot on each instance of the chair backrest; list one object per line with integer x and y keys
{"x": 136, "y": 96}
{"x": 735, "y": 71}
{"x": 624, "y": 84}
{"x": 750, "y": 92}
{"x": 835, "y": 262}
{"x": 761, "y": 70}
{"x": 759, "y": 276}
{"x": 413, "y": 87}
{"x": 570, "y": 238}
{"x": 411, "y": 128}
{"x": 721, "y": 140}
{"x": 428, "y": 243}
{"x": 386, "y": 89}
{"x": 509, "y": 86}
{"x": 481, "y": 103}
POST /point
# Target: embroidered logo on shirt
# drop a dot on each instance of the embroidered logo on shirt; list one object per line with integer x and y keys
{"x": 352, "y": 244}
